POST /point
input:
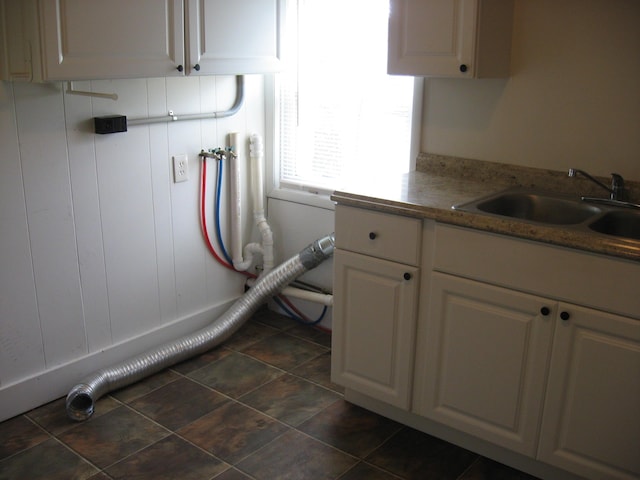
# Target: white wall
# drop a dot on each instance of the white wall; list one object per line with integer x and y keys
{"x": 294, "y": 227}
{"x": 98, "y": 247}
{"x": 573, "y": 98}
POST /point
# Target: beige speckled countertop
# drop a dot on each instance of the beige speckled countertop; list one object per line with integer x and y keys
{"x": 442, "y": 182}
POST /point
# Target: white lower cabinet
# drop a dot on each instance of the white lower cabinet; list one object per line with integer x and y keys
{"x": 485, "y": 353}
{"x": 591, "y": 419}
{"x": 524, "y": 355}
{"x": 371, "y": 344}
{"x": 377, "y": 278}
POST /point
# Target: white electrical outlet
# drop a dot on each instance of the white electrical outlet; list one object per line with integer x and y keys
{"x": 180, "y": 168}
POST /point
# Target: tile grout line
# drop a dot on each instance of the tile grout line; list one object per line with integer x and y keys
{"x": 35, "y": 424}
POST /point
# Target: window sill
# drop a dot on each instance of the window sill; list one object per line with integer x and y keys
{"x": 318, "y": 200}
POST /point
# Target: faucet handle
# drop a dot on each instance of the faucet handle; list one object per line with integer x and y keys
{"x": 617, "y": 187}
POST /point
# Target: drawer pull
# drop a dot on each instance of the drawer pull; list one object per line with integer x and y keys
{"x": 565, "y": 315}
{"x": 372, "y": 235}
{"x": 407, "y": 276}
{"x": 545, "y": 311}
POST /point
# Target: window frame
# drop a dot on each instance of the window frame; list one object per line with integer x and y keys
{"x": 318, "y": 198}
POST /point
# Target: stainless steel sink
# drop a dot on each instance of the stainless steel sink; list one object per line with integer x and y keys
{"x": 620, "y": 223}
{"x": 534, "y": 206}
{"x": 551, "y": 209}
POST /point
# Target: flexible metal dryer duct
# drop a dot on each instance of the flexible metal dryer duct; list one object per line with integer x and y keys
{"x": 81, "y": 399}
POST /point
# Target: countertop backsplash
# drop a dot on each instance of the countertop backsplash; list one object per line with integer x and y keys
{"x": 518, "y": 176}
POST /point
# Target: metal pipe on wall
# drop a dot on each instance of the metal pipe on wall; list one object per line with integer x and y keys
{"x": 171, "y": 117}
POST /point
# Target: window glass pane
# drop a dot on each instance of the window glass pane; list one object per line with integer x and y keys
{"x": 339, "y": 110}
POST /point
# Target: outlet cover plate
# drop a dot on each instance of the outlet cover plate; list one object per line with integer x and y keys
{"x": 180, "y": 168}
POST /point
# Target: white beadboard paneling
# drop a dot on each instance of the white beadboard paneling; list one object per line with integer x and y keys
{"x": 21, "y": 346}
{"x": 183, "y": 95}
{"x": 126, "y": 202}
{"x": 100, "y": 248}
{"x": 45, "y": 167}
{"x": 208, "y": 95}
{"x": 132, "y": 98}
{"x": 56, "y": 382}
{"x": 161, "y": 178}
{"x": 254, "y": 105}
{"x": 189, "y": 251}
{"x": 86, "y": 207}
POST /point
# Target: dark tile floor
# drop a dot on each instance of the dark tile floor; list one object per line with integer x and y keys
{"x": 259, "y": 407}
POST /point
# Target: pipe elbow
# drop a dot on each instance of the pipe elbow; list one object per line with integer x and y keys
{"x": 250, "y": 250}
{"x": 244, "y": 264}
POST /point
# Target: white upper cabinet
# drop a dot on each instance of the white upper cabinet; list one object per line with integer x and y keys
{"x": 118, "y": 38}
{"x": 376, "y": 280}
{"x": 87, "y": 39}
{"x": 239, "y": 36}
{"x": 450, "y": 38}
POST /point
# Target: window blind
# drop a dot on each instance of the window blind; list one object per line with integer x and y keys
{"x": 339, "y": 111}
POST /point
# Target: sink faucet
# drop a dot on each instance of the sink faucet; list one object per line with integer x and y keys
{"x": 616, "y": 191}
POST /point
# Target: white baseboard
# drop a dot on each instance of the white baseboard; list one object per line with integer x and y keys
{"x": 31, "y": 392}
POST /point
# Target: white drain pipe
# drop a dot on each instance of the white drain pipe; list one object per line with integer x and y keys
{"x": 242, "y": 260}
{"x": 256, "y": 152}
{"x": 265, "y": 248}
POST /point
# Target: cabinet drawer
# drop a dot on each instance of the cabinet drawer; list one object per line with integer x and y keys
{"x": 381, "y": 235}
{"x": 583, "y": 278}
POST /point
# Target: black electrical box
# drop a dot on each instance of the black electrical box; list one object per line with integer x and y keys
{"x": 110, "y": 124}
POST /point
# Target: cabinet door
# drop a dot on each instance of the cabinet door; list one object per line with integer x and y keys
{"x": 482, "y": 359}
{"x": 374, "y": 326}
{"x": 234, "y": 37}
{"x": 591, "y": 423}
{"x": 14, "y": 46}
{"x": 109, "y": 39}
{"x": 432, "y": 37}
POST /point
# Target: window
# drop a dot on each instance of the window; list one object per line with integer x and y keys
{"x": 338, "y": 111}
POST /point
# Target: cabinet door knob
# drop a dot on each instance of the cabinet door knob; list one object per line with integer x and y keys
{"x": 196, "y": 67}
{"x": 180, "y": 68}
{"x": 463, "y": 68}
{"x": 407, "y": 276}
{"x": 565, "y": 315}
{"x": 372, "y": 235}
{"x": 545, "y": 311}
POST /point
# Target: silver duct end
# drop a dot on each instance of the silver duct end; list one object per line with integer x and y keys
{"x": 81, "y": 399}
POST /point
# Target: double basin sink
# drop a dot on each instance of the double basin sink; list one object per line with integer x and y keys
{"x": 609, "y": 218}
